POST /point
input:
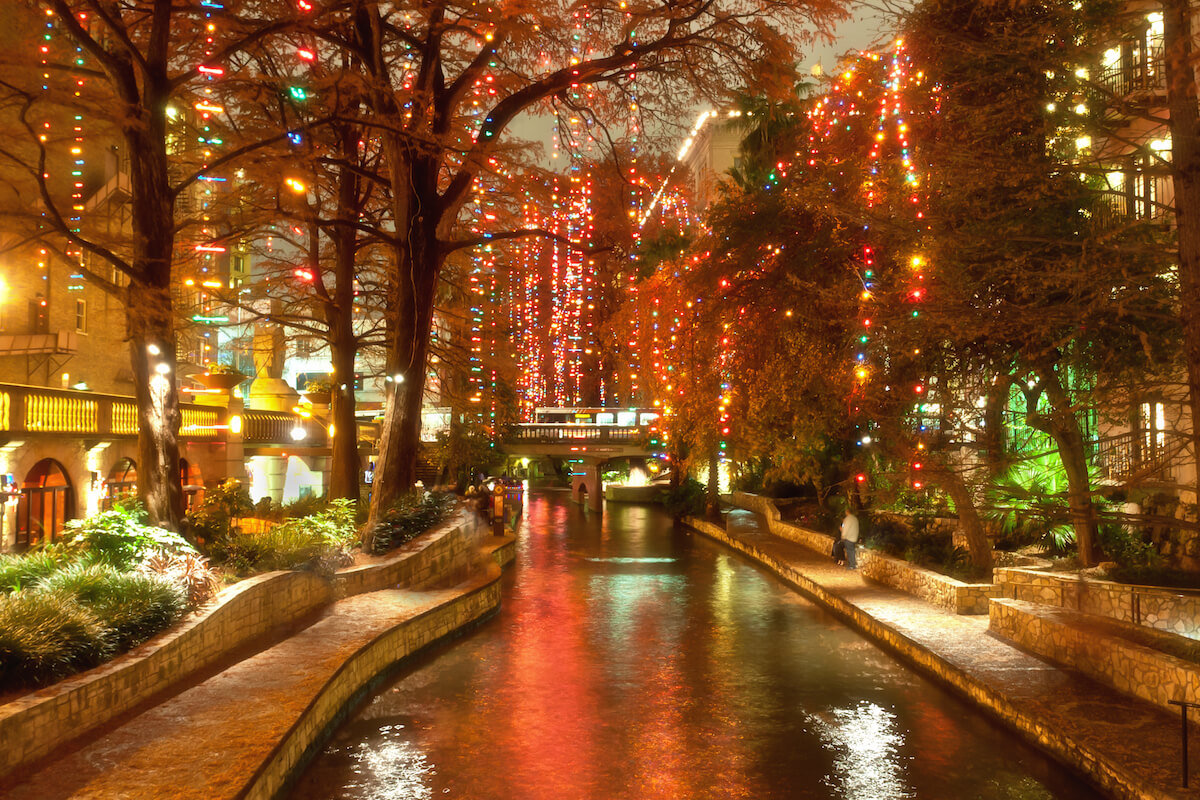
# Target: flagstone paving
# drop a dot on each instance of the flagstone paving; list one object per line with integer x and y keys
{"x": 1131, "y": 747}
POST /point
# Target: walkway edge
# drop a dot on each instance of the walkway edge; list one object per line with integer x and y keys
{"x": 478, "y": 599}
{"x": 1102, "y": 771}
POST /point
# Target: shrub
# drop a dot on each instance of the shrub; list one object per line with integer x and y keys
{"x": 685, "y": 500}
{"x": 134, "y": 605}
{"x": 886, "y": 534}
{"x": 189, "y": 570}
{"x": 121, "y": 538}
{"x": 45, "y": 636}
{"x": 222, "y": 504}
{"x": 412, "y": 515}
{"x": 18, "y": 571}
{"x": 318, "y": 542}
{"x": 1128, "y": 550}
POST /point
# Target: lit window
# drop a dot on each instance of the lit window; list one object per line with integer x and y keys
{"x": 81, "y": 316}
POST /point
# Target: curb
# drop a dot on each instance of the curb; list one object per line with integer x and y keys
{"x": 1101, "y": 771}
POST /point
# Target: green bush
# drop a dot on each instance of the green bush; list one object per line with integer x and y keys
{"x": 411, "y": 515}
{"x": 318, "y": 542}
{"x": 134, "y": 605}
{"x": 46, "y": 636}
{"x": 18, "y": 571}
{"x": 1128, "y": 550}
{"x": 212, "y": 520}
{"x": 885, "y": 534}
{"x": 121, "y": 538}
{"x": 685, "y": 500}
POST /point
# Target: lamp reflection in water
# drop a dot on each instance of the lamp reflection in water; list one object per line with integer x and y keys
{"x": 867, "y": 761}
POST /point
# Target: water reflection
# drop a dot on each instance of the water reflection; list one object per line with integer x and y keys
{"x": 632, "y": 660}
{"x": 867, "y": 761}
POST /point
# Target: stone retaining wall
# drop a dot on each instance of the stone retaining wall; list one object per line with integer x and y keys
{"x": 377, "y": 656}
{"x": 34, "y": 724}
{"x": 1105, "y": 774}
{"x": 754, "y": 502}
{"x": 445, "y": 553}
{"x": 1128, "y": 667}
{"x": 932, "y": 587}
{"x": 1150, "y": 606}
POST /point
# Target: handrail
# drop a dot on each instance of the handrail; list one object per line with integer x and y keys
{"x": 569, "y": 432}
{"x": 1132, "y": 456}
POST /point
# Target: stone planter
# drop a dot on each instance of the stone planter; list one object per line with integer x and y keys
{"x": 221, "y": 381}
{"x": 322, "y": 398}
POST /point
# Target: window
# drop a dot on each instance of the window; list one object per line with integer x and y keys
{"x": 81, "y": 316}
{"x": 1151, "y": 424}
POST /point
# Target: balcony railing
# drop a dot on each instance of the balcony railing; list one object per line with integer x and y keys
{"x": 568, "y": 433}
{"x": 40, "y": 410}
{"x": 1143, "y": 73}
{"x": 1140, "y": 456}
{"x": 281, "y": 427}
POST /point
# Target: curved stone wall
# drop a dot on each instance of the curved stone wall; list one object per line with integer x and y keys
{"x": 33, "y": 725}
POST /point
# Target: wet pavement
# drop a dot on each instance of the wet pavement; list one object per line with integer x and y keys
{"x": 634, "y": 659}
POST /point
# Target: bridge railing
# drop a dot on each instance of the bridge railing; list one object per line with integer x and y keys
{"x": 568, "y": 433}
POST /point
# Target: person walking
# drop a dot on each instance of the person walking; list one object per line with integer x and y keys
{"x": 850, "y": 537}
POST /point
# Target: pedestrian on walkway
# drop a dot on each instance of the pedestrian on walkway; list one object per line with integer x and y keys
{"x": 850, "y": 536}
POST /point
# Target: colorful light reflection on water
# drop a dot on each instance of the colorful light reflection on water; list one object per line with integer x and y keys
{"x": 633, "y": 660}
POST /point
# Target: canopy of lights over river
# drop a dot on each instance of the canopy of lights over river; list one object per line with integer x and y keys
{"x": 635, "y": 659}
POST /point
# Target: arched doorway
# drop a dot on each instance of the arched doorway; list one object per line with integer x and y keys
{"x": 120, "y": 483}
{"x": 193, "y": 484}
{"x": 47, "y": 501}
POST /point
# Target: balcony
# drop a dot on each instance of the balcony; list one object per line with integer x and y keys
{"x": 36, "y": 410}
{"x": 1138, "y": 75}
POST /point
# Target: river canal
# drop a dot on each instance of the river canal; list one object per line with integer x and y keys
{"x": 634, "y": 660}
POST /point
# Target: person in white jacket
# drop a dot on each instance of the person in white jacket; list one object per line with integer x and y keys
{"x": 850, "y": 537}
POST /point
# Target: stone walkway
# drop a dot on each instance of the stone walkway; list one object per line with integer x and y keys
{"x": 1129, "y": 747}
{"x": 215, "y": 739}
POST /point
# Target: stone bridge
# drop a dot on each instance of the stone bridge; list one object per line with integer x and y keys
{"x": 591, "y": 444}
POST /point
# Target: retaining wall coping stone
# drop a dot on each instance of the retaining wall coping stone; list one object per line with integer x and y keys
{"x": 942, "y": 590}
{"x": 32, "y": 725}
{"x": 1108, "y": 742}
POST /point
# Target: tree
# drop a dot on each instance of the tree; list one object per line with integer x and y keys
{"x": 125, "y": 66}
{"x": 1029, "y": 275}
{"x": 446, "y": 81}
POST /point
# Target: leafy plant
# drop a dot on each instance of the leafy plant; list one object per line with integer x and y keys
{"x": 1128, "y": 550}
{"x": 412, "y": 515}
{"x": 685, "y": 500}
{"x": 222, "y": 504}
{"x": 318, "y": 386}
{"x": 18, "y": 571}
{"x": 119, "y": 537}
{"x": 46, "y": 636}
{"x": 222, "y": 369}
{"x": 189, "y": 570}
{"x": 134, "y": 605}
{"x": 1028, "y": 505}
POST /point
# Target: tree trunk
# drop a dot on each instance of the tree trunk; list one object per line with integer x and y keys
{"x": 149, "y": 309}
{"x": 1185, "y": 174}
{"x": 714, "y": 484}
{"x": 344, "y": 469}
{"x": 418, "y": 262}
{"x": 151, "y": 331}
{"x": 343, "y": 344}
{"x": 1063, "y": 426}
{"x": 951, "y": 479}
